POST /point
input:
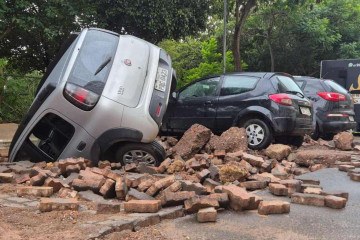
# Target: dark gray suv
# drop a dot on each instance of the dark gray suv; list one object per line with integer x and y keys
{"x": 333, "y": 106}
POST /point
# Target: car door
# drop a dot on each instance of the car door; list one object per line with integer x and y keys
{"x": 195, "y": 103}
{"x": 236, "y": 94}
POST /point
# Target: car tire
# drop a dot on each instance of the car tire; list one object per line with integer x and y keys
{"x": 316, "y": 134}
{"x": 296, "y": 141}
{"x": 150, "y": 153}
{"x": 259, "y": 128}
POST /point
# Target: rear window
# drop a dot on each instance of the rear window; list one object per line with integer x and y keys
{"x": 285, "y": 84}
{"x": 334, "y": 87}
{"x": 94, "y": 61}
{"x": 238, "y": 84}
{"x": 312, "y": 87}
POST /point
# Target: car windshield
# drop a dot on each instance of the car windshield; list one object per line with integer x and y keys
{"x": 94, "y": 61}
{"x": 285, "y": 84}
{"x": 335, "y": 87}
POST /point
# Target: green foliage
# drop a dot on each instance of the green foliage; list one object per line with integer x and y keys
{"x": 16, "y": 93}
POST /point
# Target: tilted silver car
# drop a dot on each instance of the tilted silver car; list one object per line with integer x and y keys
{"x": 103, "y": 97}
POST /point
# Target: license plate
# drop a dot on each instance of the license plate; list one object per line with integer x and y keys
{"x": 351, "y": 118}
{"x": 161, "y": 78}
{"x": 305, "y": 111}
{"x": 356, "y": 98}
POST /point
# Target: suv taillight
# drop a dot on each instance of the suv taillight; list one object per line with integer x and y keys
{"x": 332, "y": 96}
{"x": 80, "y": 97}
{"x": 281, "y": 98}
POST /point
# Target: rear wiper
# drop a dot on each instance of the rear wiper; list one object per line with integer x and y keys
{"x": 296, "y": 93}
{"x": 101, "y": 67}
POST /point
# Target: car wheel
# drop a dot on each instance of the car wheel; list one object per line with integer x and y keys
{"x": 296, "y": 141}
{"x": 151, "y": 154}
{"x": 316, "y": 134}
{"x": 258, "y": 133}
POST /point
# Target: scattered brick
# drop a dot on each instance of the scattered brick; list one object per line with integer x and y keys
{"x": 206, "y": 215}
{"x": 108, "y": 188}
{"x": 335, "y": 202}
{"x": 253, "y": 185}
{"x": 273, "y": 207}
{"x": 22, "y": 191}
{"x": 195, "y": 203}
{"x": 239, "y": 198}
{"x": 52, "y": 204}
{"x": 105, "y": 207}
{"x": 6, "y": 177}
{"x": 345, "y": 168}
{"x": 308, "y": 199}
{"x": 278, "y": 189}
{"x": 142, "y": 206}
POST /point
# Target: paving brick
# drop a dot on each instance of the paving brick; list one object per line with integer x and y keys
{"x": 203, "y": 175}
{"x": 142, "y": 206}
{"x": 206, "y": 215}
{"x": 88, "y": 184}
{"x": 176, "y": 198}
{"x": 134, "y": 194}
{"x": 131, "y": 167}
{"x": 335, "y": 202}
{"x": 210, "y": 184}
{"x": 311, "y": 190}
{"x": 253, "y": 160}
{"x": 253, "y": 185}
{"x": 222, "y": 198}
{"x": 273, "y": 207}
{"x": 239, "y": 197}
{"x": 293, "y": 185}
{"x": 308, "y": 199}
{"x": 171, "y": 212}
{"x": 108, "y": 188}
{"x": 22, "y": 178}
{"x": 105, "y": 207}
{"x": 38, "y": 180}
{"x": 34, "y": 191}
{"x": 164, "y": 165}
{"x": 195, "y": 203}
{"x": 345, "y": 168}
{"x": 304, "y": 186}
{"x": 56, "y": 184}
{"x": 198, "y": 188}
{"x": 121, "y": 189}
{"x": 311, "y": 181}
{"x": 254, "y": 203}
{"x": 6, "y": 177}
{"x": 278, "y": 189}
{"x": 336, "y": 193}
{"x": 160, "y": 184}
{"x": 60, "y": 204}
{"x": 355, "y": 177}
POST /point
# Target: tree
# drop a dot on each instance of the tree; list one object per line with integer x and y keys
{"x": 32, "y": 31}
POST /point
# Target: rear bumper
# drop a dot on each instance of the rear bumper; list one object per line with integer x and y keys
{"x": 337, "y": 126}
{"x": 293, "y": 126}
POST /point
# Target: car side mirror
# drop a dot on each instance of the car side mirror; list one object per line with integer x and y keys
{"x": 174, "y": 95}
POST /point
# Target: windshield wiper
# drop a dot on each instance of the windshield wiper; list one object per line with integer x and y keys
{"x": 295, "y": 93}
{"x": 101, "y": 67}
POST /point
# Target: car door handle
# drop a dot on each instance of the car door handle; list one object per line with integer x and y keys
{"x": 208, "y": 103}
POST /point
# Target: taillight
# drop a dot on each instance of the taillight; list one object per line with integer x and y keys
{"x": 281, "y": 98}
{"x": 80, "y": 97}
{"x": 332, "y": 96}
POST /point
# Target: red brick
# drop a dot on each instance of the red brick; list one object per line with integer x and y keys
{"x": 308, "y": 199}
{"x": 52, "y": 204}
{"x": 121, "y": 189}
{"x": 278, "y": 189}
{"x": 34, "y": 191}
{"x": 346, "y": 168}
{"x": 108, "y": 189}
{"x": 142, "y": 206}
{"x": 335, "y": 202}
{"x": 176, "y": 198}
{"x": 195, "y": 203}
{"x": 107, "y": 207}
{"x": 6, "y": 177}
{"x": 239, "y": 198}
{"x": 273, "y": 207}
{"x": 207, "y": 215}
{"x": 56, "y": 184}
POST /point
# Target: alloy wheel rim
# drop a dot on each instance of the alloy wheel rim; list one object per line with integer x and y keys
{"x": 255, "y": 134}
{"x": 138, "y": 156}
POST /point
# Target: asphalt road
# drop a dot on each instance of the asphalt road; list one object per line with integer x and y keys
{"x": 303, "y": 222}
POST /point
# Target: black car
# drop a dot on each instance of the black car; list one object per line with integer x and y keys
{"x": 268, "y": 105}
{"x": 332, "y": 104}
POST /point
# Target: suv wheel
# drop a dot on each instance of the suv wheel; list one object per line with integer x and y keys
{"x": 258, "y": 133}
{"x": 151, "y": 154}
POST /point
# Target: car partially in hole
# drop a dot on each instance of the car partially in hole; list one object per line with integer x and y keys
{"x": 270, "y": 106}
{"x": 333, "y": 106}
{"x": 103, "y": 97}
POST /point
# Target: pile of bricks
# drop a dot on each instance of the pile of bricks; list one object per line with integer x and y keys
{"x": 202, "y": 172}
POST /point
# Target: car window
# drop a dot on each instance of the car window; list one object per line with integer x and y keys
{"x": 93, "y": 63}
{"x": 284, "y": 84}
{"x": 335, "y": 87}
{"x": 202, "y": 88}
{"x": 238, "y": 84}
{"x": 312, "y": 87}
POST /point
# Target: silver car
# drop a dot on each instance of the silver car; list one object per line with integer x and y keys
{"x": 103, "y": 97}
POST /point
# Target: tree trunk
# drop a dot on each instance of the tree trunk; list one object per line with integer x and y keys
{"x": 271, "y": 55}
{"x": 242, "y": 11}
